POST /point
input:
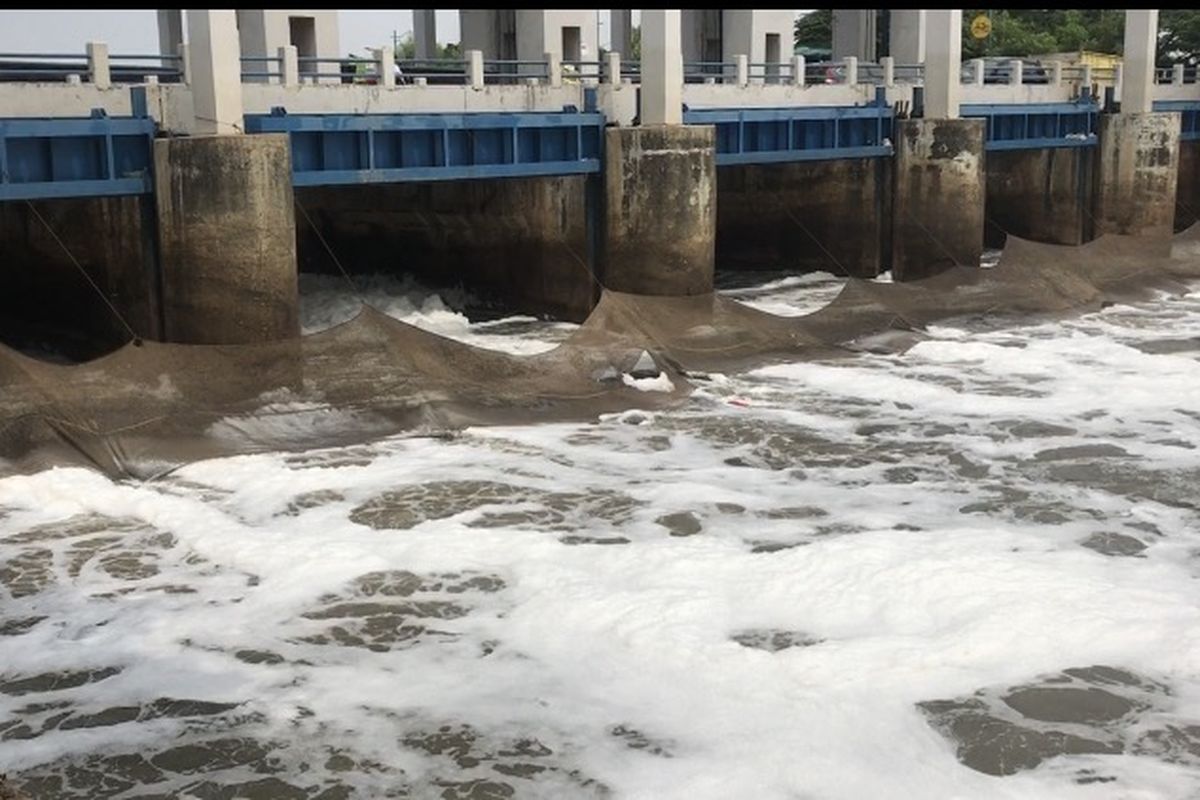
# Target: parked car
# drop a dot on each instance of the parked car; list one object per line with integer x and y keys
{"x": 996, "y": 70}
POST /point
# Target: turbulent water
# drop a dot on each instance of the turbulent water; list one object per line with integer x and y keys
{"x": 970, "y": 570}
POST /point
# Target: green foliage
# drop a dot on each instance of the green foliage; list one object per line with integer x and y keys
{"x": 814, "y": 30}
{"x": 1178, "y": 36}
{"x": 406, "y": 48}
{"x": 1031, "y": 32}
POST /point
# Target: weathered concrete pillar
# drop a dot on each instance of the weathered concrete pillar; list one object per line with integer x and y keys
{"x": 170, "y": 33}
{"x": 621, "y": 31}
{"x": 939, "y": 196}
{"x": 227, "y": 238}
{"x": 1044, "y": 195}
{"x": 661, "y": 186}
{"x": 216, "y": 72}
{"x": 938, "y": 207}
{"x": 425, "y": 33}
{"x": 662, "y": 68}
{"x": 1137, "y": 174}
{"x": 853, "y": 33}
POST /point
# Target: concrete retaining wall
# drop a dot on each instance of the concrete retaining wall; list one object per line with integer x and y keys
{"x": 1187, "y": 191}
{"x": 1043, "y": 195}
{"x": 1137, "y": 173}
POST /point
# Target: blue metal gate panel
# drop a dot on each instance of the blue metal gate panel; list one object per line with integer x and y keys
{"x": 71, "y": 157}
{"x": 334, "y": 149}
{"x": 813, "y": 133}
{"x": 1031, "y": 126}
{"x": 1189, "y": 110}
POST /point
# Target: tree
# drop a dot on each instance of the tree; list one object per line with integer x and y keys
{"x": 1178, "y": 37}
{"x": 406, "y": 49}
{"x": 1031, "y": 32}
{"x": 814, "y": 30}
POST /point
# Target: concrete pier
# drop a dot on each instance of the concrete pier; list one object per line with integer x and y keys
{"x": 828, "y": 215}
{"x": 1137, "y": 173}
{"x": 1044, "y": 195}
{"x": 227, "y": 239}
{"x": 938, "y": 211}
{"x": 661, "y": 209}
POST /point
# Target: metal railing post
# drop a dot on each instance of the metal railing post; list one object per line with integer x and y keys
{"x": 798, "y": 66}
{"x": 99, "y": 72}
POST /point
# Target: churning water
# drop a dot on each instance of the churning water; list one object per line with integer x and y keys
{"x": 971, "y": 570}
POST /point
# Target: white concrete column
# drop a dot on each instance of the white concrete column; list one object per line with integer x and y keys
{"x": 612, "y": 70}
{"x": 475, "y": 68}
{"x": 170, "y": 33}
{"x": 216, "y": 72}
{"x": 1119, "y": 83}
{"x": 185, "y": 63}
{"x": 1056, "y": 73}
{"x": 98, "y": 69}
{"x": 1016, "y": 72}
{"x": 977, "y": 68}
{"x": 853, "y": 33}
{"x": 943, "y": 63}
{"x": 289, "y": 65}
{"x": 1177, "y": 74}
{"x": 662, "y": 67}
{"x": 889, "y": 71}
{"x": 798, "y": 67}
{"x": 743, "y": 69}
{"x": 425, "y": 33}
{"x": 1137, "y": 77}
{"x": 554, "y": 70}
{"x": 385, "y": 62}
{"x": 907, "y": 36}
{"x": 851, "y": 64}
{"x": 1085, "y": 78}
{"x": 621, "y": 31}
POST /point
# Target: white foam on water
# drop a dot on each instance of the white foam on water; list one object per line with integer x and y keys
{"x": 913, "y": 519}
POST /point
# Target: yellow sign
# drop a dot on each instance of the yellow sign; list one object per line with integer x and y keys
{"x": 981, "y": 27}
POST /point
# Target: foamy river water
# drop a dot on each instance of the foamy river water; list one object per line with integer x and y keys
{"x": 971, "y": 570}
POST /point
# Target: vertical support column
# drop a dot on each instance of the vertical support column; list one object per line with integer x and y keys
{"x": 1138, "y": 173}
{"x": 425, "y": 33}
{"x": 227, "y": 238}
{"x": 662, "y": 68}
{"x": 1085, "y": 78}
{"x": 621, "y": 31}
{"x": 1056, "y": 73}
{"x": 889, "y": 71}
{"x": 1177, "y": 74}
{"x": 661, "y": 209}
{"x": 170, "y": 33}
{"x": 289, "y": 65}
{"x": 742, "y": 67}
{"x": 943, "y": 50}
{"x": 554, "y": 69}
{"x": 938, "y": 209}
{"x": 1137, "y": 77}
{"x": 906, "y": 35}
{"x": 798, "y": 67}
{"x": 98, "y": 70}
{"x": 977, "y": 71}
{"x": 185, "y": 63}
{"x": 216, "y": 72}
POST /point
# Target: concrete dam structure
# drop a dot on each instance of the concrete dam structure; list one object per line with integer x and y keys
{"x": 177, "y": 215}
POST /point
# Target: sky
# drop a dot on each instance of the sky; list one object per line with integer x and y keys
{"x": 136, "y": 32}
